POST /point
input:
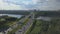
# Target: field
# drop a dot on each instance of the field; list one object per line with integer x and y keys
{"x": 45, "y": 27}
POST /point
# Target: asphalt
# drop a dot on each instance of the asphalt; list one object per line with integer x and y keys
{"x": 25, "y": 27}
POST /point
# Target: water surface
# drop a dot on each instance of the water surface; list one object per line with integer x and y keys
{"x": 12, "y": 15}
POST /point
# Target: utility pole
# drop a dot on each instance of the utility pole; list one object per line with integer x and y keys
{"x": 34, "y": 14}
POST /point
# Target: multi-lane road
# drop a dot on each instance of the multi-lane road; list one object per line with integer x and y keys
{"x": 25, "y": 27}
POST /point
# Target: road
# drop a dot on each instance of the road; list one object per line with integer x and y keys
{"x": 15, "y": 25}
{"x": 25, "y": 27}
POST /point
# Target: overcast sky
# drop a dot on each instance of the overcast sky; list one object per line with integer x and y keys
{"x": 29, "y": 4}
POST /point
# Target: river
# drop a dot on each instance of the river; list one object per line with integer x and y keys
{"x": 45, "y": 18}
{"x": 12, "y": 15}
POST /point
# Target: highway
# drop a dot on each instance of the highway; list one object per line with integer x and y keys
{"x": 25, "y": 27}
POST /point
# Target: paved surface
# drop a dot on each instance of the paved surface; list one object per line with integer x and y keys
{"x": 15, "y": 25}
{"x": 24, "y": 28}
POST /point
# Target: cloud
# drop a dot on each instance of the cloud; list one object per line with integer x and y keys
{"x": 50, "y": 5}
{"x": 6, "y": 6}
{"x": 30, "y": 4}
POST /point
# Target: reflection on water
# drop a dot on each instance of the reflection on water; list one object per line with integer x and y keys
{"x": 44, "y": 18}
{"x": 12, "y": 15}
{"x": 18, "y": 16}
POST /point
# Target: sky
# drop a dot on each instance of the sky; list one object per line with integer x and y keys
{"x": 29, "y": 4}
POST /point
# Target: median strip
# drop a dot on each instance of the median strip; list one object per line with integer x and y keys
{"x": 18, "y": 27}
